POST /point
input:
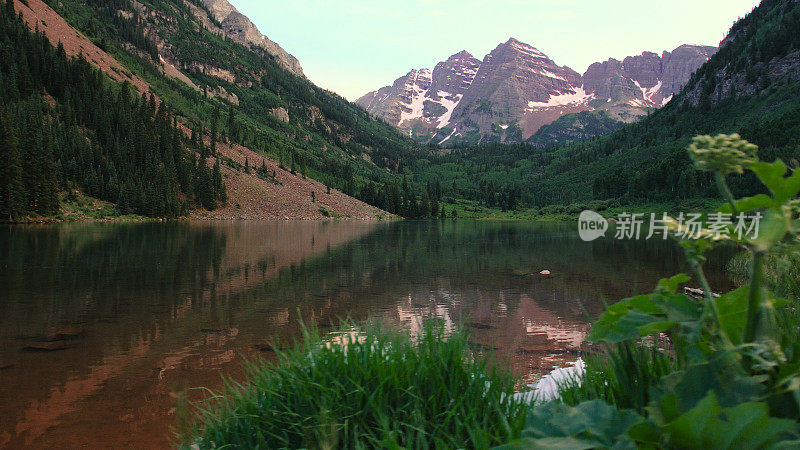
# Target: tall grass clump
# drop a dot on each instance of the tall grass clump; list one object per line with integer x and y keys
{"x": 623, "y": 375}
{"x": 781, "y": 270}
{"x": 366, "y": 388}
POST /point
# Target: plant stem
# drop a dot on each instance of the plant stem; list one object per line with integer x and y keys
{"x": 754, "y": 296}
{"x": 712, "y": 304}
{"x": 701, "y": 277}
{"x": 726, "y": 192}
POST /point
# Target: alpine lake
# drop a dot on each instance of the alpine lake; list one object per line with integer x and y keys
{"x": 104, "y": 325}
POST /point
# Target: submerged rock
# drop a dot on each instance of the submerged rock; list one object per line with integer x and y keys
{"x": 481, "y": 347}
{"x": 481, "y": 326}
{"x": 67, "y": 333}
{"x": 549, "y": 349}
{"x": 46, "y": 346}
{"x": 262, "y": 347}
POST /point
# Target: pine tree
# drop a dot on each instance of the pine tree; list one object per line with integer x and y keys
{"x": 214, "y": 130}
{"x": 38, "y": 169}
{"x": 204, "y": 190}
{"x": 232, "y": 130}
{"x": 219, "y": 186}
{"x": 50, "y": 201}
{"x": 12, "y": 191}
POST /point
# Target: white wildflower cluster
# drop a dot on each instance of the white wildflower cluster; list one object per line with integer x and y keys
{"x": 723, "y": 153}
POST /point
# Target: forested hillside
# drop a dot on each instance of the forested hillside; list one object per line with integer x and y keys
{"x": 751, "y": 86}
{"x": 240, "y": 94}
{"x": 64, "y": 125}
{"x": 156, "y": 154}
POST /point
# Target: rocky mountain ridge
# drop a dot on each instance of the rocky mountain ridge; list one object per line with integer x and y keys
{"x": 238, "y": 27}
{"x": 516, "y": 89}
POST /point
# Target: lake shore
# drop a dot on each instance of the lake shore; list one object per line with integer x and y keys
{"x": 87, "y": 209}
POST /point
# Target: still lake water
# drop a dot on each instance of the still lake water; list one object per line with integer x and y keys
{"x": 146, "y": 310}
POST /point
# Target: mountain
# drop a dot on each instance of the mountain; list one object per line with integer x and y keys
{"x": 238, "y": 27}
{"x": 571, "y": 128}
{"x": 517, "y": 89}
{"x": 421, "y": 102}
{"x": 750, "y": 86}
{"x": 646, "y": 80}
{"x": 223, "y": 128}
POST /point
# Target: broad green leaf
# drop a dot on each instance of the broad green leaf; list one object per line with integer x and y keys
{"x": 772, "y": 229}
{"x": 733, "y": 313}
{"x": 721, "y": 375}
{"x": 772, "y": 175}
{"x": 746, "y": 425}
{"x": 645, "y": 432}
{"x": 644, "y": 315}
{"x": 681, "y": 308}
{"x": 749, "y": 426}
{"x": 656, "y": 327}
{"x": 625, "y": 320}
{"x": 645, "y": 304}
{"x": 591, "y": 424}
{"x": 760, "y": 201}
{"x": 687, "y": 430}
{"x": 670, "y": 285}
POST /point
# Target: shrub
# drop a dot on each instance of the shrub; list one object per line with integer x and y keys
{"x": 575, "y": 208}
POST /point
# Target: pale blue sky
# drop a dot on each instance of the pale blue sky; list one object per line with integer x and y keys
{"x": 354, "y": 46}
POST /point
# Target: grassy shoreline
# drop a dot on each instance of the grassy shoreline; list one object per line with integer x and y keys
{"x": 77, "y": 207}
{"x": 569, "y": 213}
{"x": 366, "y": 387}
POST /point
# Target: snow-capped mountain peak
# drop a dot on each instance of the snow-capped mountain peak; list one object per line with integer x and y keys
{"x": 424, "y": 99}
{"x": 517, "y": 89}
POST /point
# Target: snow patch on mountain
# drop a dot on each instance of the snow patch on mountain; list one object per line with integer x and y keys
{"x": 653, "y": 91}
{"x": 647, "y": 94}
{"x": 415, "y": 107}
{"x": 574, "y": 97}
{"x": 446, "y": 102}
{"x": 448, "y": 137}
{"x": 527, "y": 49}
{"x": 547, "y": 73}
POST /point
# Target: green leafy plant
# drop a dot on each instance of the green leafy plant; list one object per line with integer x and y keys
{"x": 736, "y": 378}
{"x": 591, "y": 424}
